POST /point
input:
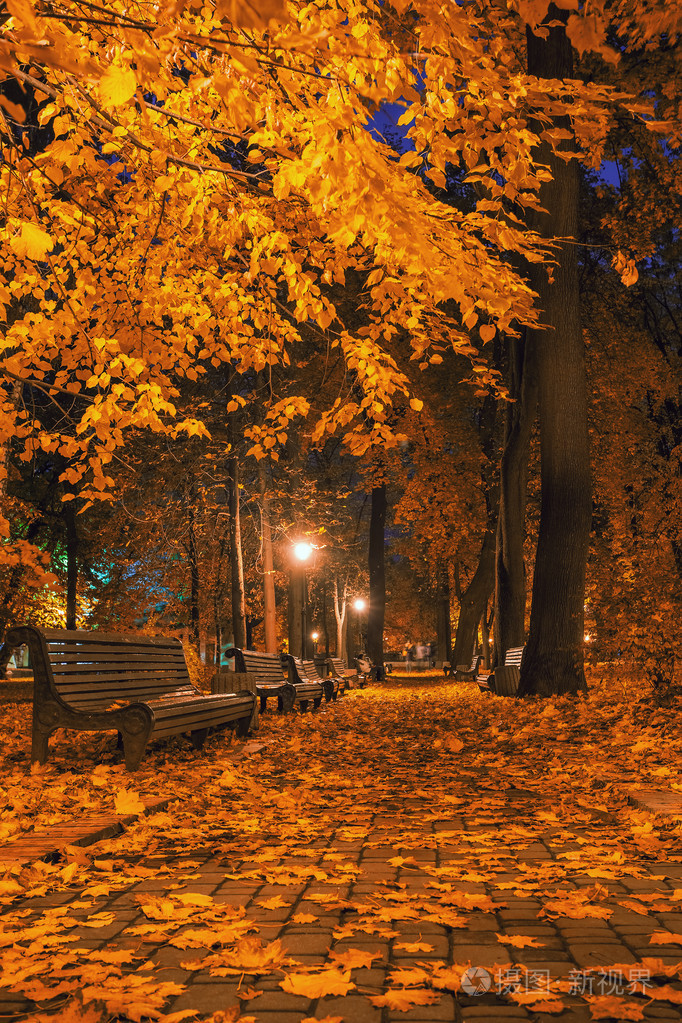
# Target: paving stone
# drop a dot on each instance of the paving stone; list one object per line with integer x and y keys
{"x": 443, "y": 1010}
{"x": 279, "y": 1000}
{"x": 207, "y": 998}
{"x": 484, "y": 1013}
{"x": 307, "y": 943}
{"x": 352, "y": 1007}
{"x": 599, "y": 954}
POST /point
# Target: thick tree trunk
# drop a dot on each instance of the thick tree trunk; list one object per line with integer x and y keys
{"x": 510, "y": 574}
{"x": 443, "y": 627}
{"x": 269, "y": 604}
{"x": 377, "y": 577}
{"x": 474, "y": 600}
{"x": 341, "y": 616}
{"x": 71, "y": 564}
{"x": 236, "y": 561}
{"x": 553, "y": 662}
{"x": 296, "y": 607}
{"x": 193, "y": 555}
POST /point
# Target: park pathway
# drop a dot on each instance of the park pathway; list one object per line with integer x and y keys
{"x": 412, "y": 853}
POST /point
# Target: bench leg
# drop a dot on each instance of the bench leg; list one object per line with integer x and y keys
{"x": 316, "y": 703}
{"x": 198, "y": 737}
{"x": 287, "y": 699}
{"x": 302, "y": 705}
{"x": 39, "y": 746}
{"x": 328, "y": 687}
{"x": 241, "y": 727}
{"x": 133, "y": 751}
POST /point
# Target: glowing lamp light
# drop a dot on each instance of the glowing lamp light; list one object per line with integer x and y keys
{"x": 359, "y": 604}
{"x": 302, "y": 551}
{"x": 315, "y": 635}
{"x": 587, "y": 637}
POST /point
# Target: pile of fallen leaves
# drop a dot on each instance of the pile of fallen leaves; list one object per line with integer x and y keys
{"x": 404, "y": 812}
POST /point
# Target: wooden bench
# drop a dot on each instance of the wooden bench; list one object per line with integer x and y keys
{"x": 337, "y": 668}
{"x": 504, "y": 680}
{"x": 365, "y": 670}
{"x": 271, "y": 674}
{"x": 305, "y": 673}
{"x": 462, "y": 671}
{"x": 138, "y": 686}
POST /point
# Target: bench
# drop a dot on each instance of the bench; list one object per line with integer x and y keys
{"x": 462, "y": 671}
{"x": 305, "y": 674}
{"x": 504, "y": 680}
{"x": 365, "y": 670}
{"x": 272, "y": 677}
{"x": 139, "y": 686}
{"x": 337, "y": 668}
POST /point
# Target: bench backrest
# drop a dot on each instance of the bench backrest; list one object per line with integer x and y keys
{"x": 307, "y": 670}
{"x": 339, "y": 664}
{"x": 514, "y": 656}
{"x": 91, "y": 670}
{"x": 266, "y": 667}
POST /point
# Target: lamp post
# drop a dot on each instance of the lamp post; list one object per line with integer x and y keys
{"x": 359, "y": 604}
{"x": 298, "y": 631}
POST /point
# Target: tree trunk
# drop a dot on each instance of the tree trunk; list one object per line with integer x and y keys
{"x": 71, "y": 564}
{"x": 193, "y": 556}
{"x": 340, "y": 616}
{"x": 269, "y": 604}
{"x": 377, "y": 577}
{"x": 443, "y": 627}
{"x": 296, "y": 607}
{"x": 553, "y": 662}
{"x": 510, "y": 574}
{"x": 236, "y": 561}
{"x": 474, "y": 600}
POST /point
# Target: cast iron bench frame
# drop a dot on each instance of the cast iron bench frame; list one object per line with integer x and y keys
{"x": 139, "y": 686}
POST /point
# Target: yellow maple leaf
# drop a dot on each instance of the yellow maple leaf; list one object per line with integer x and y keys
{"x": 116, "y": 86}
{"x": 32, "y": 242}
{"x": 665, "y": 938}
{"x": 519, "y": 941}
{"x": 304, "y": 918}
{"x": 354, "y": 958}
{"x": 318, "y": 985}
{"x": 413, "y": 946}
{"x": 614, "y": 1007}
{"x": 323, "y": 1019}
{"x": 276, "y": 902}
{"x": 404, "y": 999}
{"x": 126, "y": 802}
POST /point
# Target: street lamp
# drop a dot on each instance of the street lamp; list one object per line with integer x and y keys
{"x": 298, "y": 631}
{"x": 359, "y": 604}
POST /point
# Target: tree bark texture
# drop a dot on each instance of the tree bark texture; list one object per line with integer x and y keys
{"x": 71, "y": 564}
{"x": 510, "y": 574}
{"x": 269, "y": 604}
{"x": 553, "y": 661}
{"x": 193, "y": 555}
{"x": 236, "y": 560}
{"x": 443, "y": 627}
{"x": 377, "y": 576}
{"x": 474, "y": 600}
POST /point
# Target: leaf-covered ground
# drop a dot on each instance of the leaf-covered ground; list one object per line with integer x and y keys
{"x": 415, "y": 851}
